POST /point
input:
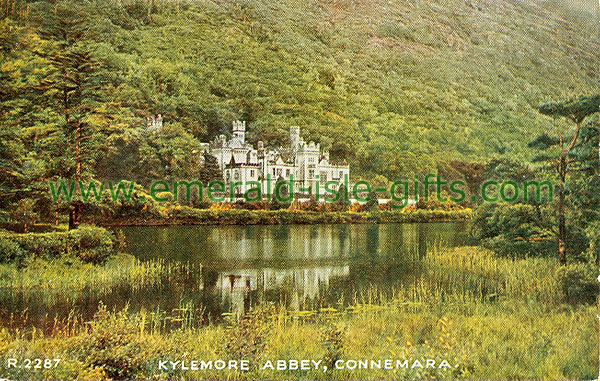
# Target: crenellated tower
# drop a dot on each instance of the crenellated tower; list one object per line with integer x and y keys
{"x": 239, "y": 131}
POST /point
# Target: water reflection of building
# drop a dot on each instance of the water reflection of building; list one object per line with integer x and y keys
{"x": 236, "y": 246}
{"x": 294, "y": 264}
{"x": 303, "y": 243}
{"x": 236, "y": 286}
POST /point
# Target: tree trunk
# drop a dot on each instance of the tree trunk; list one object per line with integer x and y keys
{"x": 71, "y": 219}
{"x": 562, "y": 229}
{"x": 74, "y": 222}
{"x": 74, "y": 215}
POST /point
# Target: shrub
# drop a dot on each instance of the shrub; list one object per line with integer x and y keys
{"x": 434, "y": 204}
{"x": 111, "y": 344}
{"x": 356, "y": 207}
{"x": 91, "y": 244}
{"x": 25, "y": 212}
{"x": 333, "y": 340}
{"x": 88, "y": 243}
{"x": 578, "y": 282}
{"x": 513, "y": 230}
{"x": 9, "y": 251}
{"x": 246, "y": 339}
{"x": 373, "y": 203}
{"x": 311, "y": 205}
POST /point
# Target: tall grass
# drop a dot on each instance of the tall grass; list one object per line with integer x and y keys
{"x": 68, "y": 275}
{"x": 488, "y": 344}
{"x": 482, "y": 273}
{"x": 490, "y": 318}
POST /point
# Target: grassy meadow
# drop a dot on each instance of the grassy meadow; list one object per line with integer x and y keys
{"x": 489, "y": 317}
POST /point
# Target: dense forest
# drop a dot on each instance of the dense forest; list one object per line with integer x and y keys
{"x": 469, "y": 89}
{"x": 393, "y": 87}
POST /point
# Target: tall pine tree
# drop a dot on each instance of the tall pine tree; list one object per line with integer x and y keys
{"x": 559, "y": 152}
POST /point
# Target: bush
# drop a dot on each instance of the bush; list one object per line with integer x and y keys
{"x": 513, "y": 230}
{"x": 373, "y": 203}
{"x": 578, "y": 282}
{"x": 246, "y": 338}
{"x": 112, "y": 345}
{"x": 434, "y": 204}
{"x": 9, "y": 251}
{"x": 89, "y": 243}
{"x": 302, "y": 213}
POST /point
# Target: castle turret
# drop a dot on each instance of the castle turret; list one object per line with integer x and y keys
{"x": 154, "y": 124}
{"x": 294, "y": 137}
{"x": 239, "y": 131}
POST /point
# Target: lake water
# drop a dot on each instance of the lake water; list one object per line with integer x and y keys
{"x": 300, "y": 266}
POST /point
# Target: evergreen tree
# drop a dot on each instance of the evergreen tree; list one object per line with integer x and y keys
{"x": 373, "y": 202}
{"x": 557, "y": 153}
{"x": 341, "y": 204}
{"x": 276, "y": 198}
{"x": 28, "y": 137}
{"x": 209, "y": 171}
{"x": 73, "y": 87}
{"x": 569, "y": 159}
{"x": 586, "y": 183}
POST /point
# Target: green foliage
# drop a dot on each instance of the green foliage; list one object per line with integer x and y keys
{"x": 24, "y": 211}
{"x": 593, "y": 233}
{"x": 359, "y": 88}
{"x": 524, "y": 229}
{"x": 333, "y": 340}
{"x": 560, "y": 156}
{"x": 585, "y": 185}
{"x": 575, "y": 109}
{"x": 508, "y": 169}
{"x": 569, "y": 159}
{"x": 578, "y": 282}
{"x": 89, "y": 244}
{"x": 209, "y": 171}
{"x": 10, "y": 251}
{"x": 472, "y": 174}
{"x": 246, "y": 338}
{"x": 186, "y": 215}
{"x": 434, "y": 204}
{"x": 341, "y": 204}
{"x": 281, "y": 193}
{"x": 514, "y": 230}
{"x": 373, "y": 203}
{"x": 111, "y": 345}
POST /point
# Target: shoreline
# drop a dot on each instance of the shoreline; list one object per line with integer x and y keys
{"x": 206, "y": 217}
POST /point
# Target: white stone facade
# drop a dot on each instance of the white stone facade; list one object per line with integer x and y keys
{"x": 305, "y": 162}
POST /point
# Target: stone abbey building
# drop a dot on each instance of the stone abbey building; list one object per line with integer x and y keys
{"x": 239, "y": 161}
